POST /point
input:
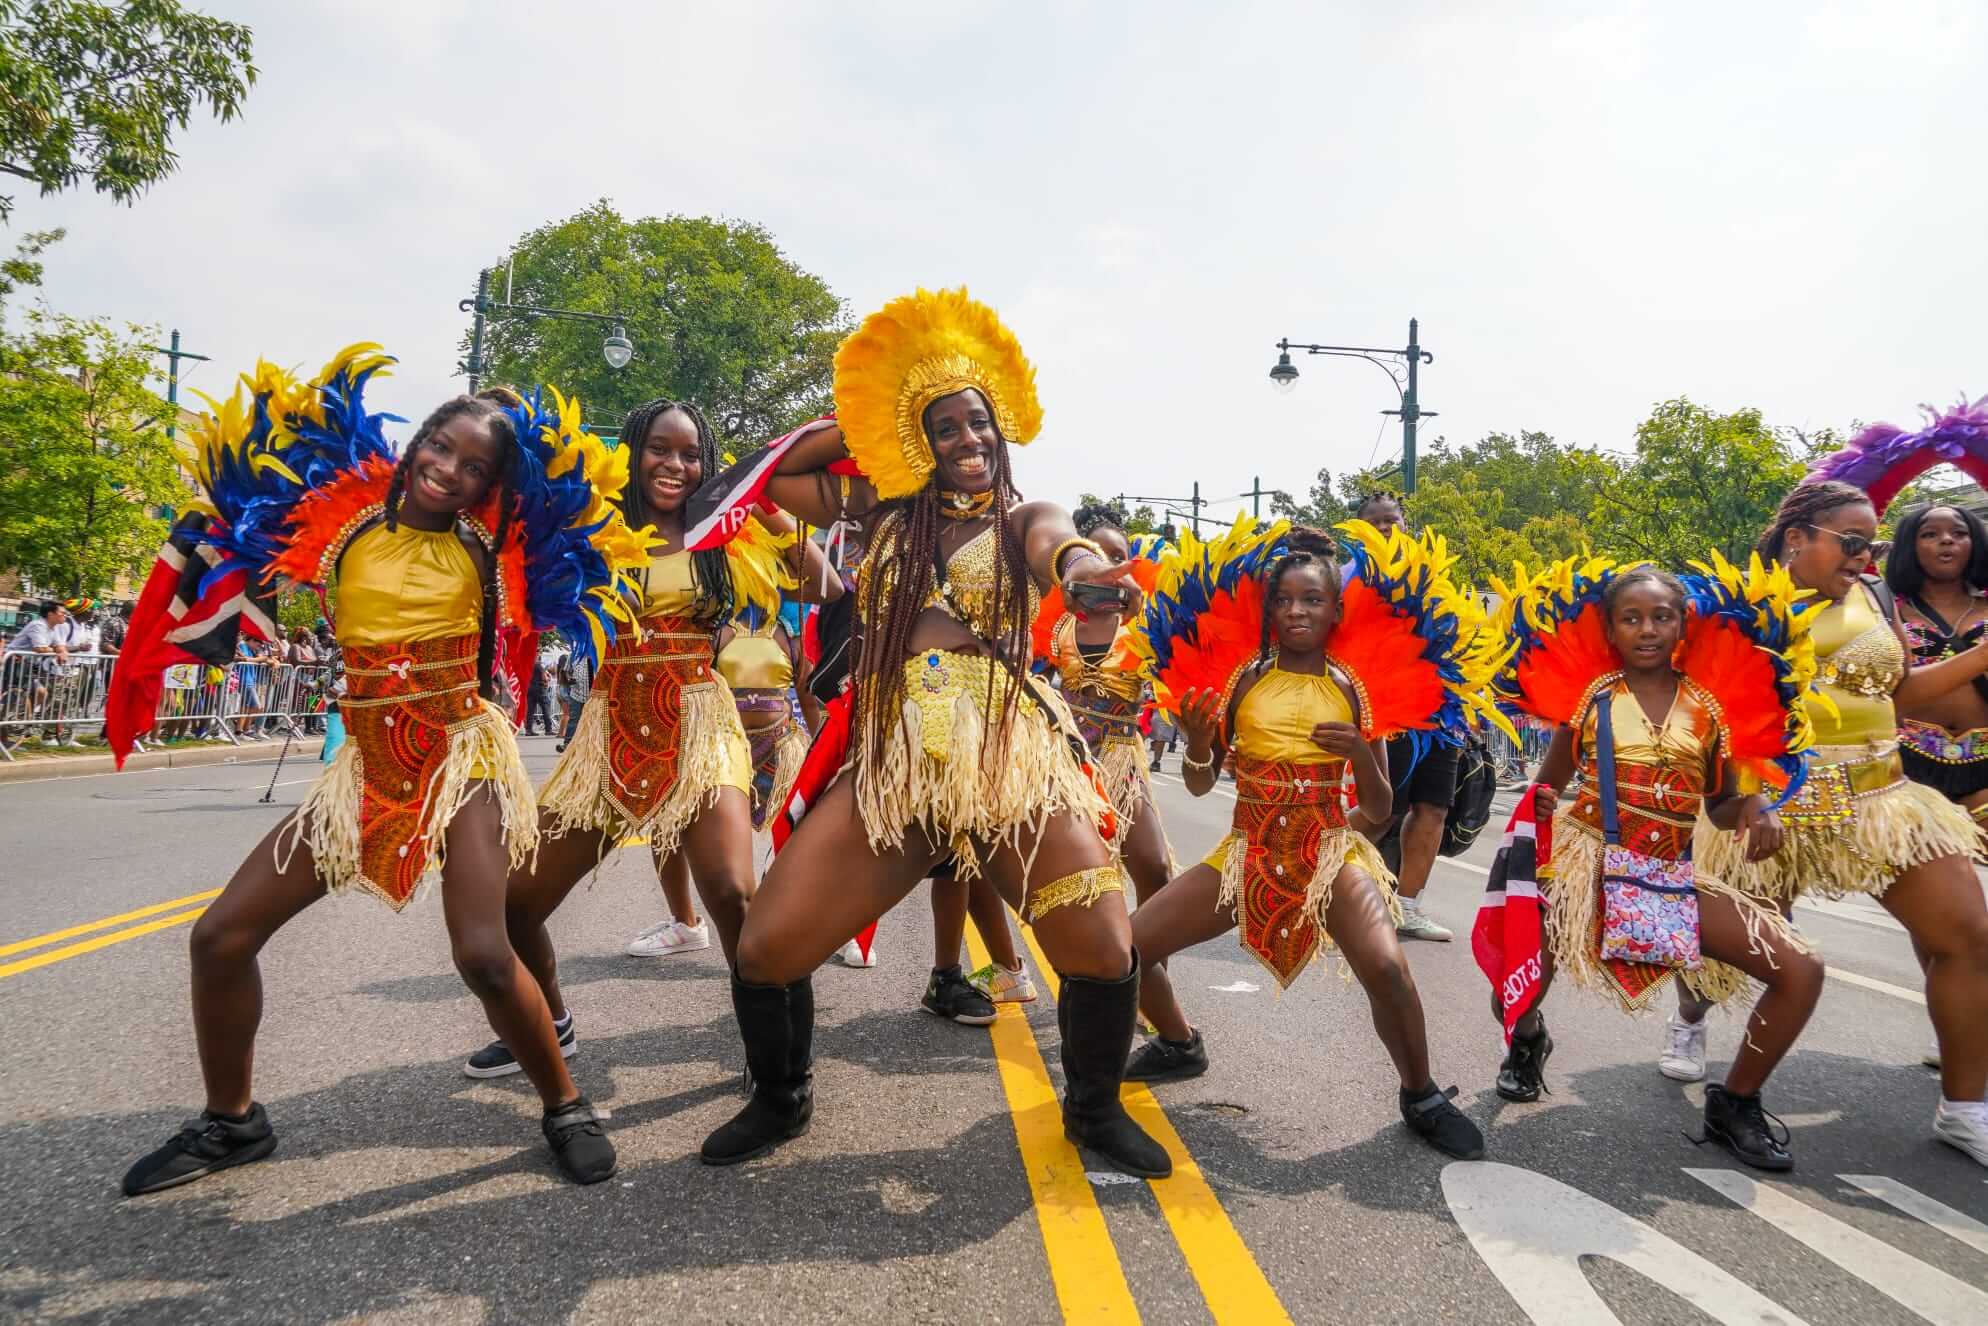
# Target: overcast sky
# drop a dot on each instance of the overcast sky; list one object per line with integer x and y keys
{"x": 1591, "y": 208}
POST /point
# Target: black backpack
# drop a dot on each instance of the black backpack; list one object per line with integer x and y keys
{"x": 1476, "y": 785}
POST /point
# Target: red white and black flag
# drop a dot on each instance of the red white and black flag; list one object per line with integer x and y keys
{"x": 187, "y": 613}
{"x": 1508, "y": 936}
{"x": 717, "y": 511}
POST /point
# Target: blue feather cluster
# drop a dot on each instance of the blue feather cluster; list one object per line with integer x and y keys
{"x": 562, "y": 565}
{"x": 255, "y": 500}
{"x": 1441, "y": 630}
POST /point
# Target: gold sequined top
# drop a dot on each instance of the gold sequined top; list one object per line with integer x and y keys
{"x": 1859, "y": 663}
{"x": 966, "y": 592}
{"x": 1081, "y": 674}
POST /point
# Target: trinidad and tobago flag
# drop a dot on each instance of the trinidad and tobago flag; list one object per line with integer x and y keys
{"x": 188, "y": 613}
{"x": 825, "y": 756}
{"x": 1507, "y": 938}
{"x": 718, "y": 509}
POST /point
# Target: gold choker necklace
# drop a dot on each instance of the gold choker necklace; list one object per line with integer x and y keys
{"x": 965, "y": 506}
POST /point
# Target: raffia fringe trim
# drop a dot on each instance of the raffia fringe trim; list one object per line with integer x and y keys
{"x": 1128, "y": 784}
{"x": 1892, "y": 831}
{"x": 482, "y": 753}
{"x": 1000, "y": 797}
{"x": 711, "y": 748}
{"x": 1353, "y": 849}
{"x": 1572, "y": 895}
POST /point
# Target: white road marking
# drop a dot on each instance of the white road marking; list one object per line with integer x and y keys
{"x": 1882, "y": 987}
{"x": 1932, "y": 1293}
{"x": 1239, "y": 987}
{"x": 1921, "y": 1207}
{"x": 1532, "y": 1232}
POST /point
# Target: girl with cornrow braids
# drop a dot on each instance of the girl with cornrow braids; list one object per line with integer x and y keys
{"x": 955, "y": 748}
{"x": 1857, "y": 824}
{"x": 430, "y": 776}
{"x": 1294, "y": 873}
{"x": 659, "y": 752}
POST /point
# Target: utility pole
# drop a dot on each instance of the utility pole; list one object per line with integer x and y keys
{"x": 474, "y": 366}
{"x": 173, "y": 356}
{"x": 1257, "y": 492}
{"x": 1196, "y": 518}
{"x": 1411, "y": 412}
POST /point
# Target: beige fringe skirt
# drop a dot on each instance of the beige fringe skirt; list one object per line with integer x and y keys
{"x": 1856, "y": 825}
{"x": 1128, "y": 784}
{"x": 1571, "y": 890}
{"x": 950, "y": 768}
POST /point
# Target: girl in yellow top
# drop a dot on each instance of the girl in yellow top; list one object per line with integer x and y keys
{"x": 659, "y": 752}
{"x": 1293, "y": 872}
{"x": 430, "y": 774}
{"x": 1857, "y": 824}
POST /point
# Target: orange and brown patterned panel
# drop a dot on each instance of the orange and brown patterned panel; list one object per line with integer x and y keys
{"x": 1289, "y": 815}
{"x": 642, "y": 681}
{"x": 400, "y": 704}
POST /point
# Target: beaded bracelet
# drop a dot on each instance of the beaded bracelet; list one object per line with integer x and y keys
{"x": 1088, "y": 545}
{"x": 1187, "y": 761}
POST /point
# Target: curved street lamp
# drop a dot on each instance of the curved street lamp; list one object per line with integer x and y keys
{"x": 616, "y": 348}
{"x": 1284, "y": 376}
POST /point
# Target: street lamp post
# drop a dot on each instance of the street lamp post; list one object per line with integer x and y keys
{"x": 1284, "y": 375}
{"x": 616, "y": 348}
{"x": 173, "y": 356}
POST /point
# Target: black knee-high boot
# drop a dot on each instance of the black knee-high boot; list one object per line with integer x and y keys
{"x": 778, "y": 1023}
{"x": 1097, "y": 1019}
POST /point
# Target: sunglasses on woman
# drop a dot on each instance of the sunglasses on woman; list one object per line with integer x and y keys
{"x": 1853, "y": 545}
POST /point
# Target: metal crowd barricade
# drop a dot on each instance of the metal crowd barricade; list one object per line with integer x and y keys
{"x": 56, "y": 700}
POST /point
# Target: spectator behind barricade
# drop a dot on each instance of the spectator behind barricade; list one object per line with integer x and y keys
{"x": 541, "y": 708}
{"x": 577, "y": 682}
{"x": 39, "y": 636}
{"x": 24, "y": 680}
{"x": 110, "y": 639}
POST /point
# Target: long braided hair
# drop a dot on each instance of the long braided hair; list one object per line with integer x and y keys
{"x": 903, "y": 565}
{"x": 487, "y": 409}
{"x": 1288, "y": 562}
{"x": 1805, "y": 505}
{"x": 709, "y": 570}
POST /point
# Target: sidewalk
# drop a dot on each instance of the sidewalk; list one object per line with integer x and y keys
{"x": 68, "y": 764}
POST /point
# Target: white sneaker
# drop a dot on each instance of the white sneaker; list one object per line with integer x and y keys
{"x": 1932, "y": 1056}
{"x": 1683, "y": 1060}
{"x": 1963, "y": 1124}
{"x": 1004, "y": 986}
{"x": 852, "y": 955}
{"x": 1415, "y": 925}
{"x": 668, "y": 938}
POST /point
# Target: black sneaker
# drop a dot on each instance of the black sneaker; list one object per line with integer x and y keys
{"x": 1523, "y": 1074}
{"x": 1162, "y": 1060}
{"x": 211, "y": 1142}
{"x": 579, "y": 1144}
{"x": 1741, "y": 1126}
{"x": 953, "y": 997}
{"x": 1441, "y": 1124}
{"x": 496, "y": 1059}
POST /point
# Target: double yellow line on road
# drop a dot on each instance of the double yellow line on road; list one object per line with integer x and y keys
{"x": 76, "y": 950}
{"x": 1083, "y": 1264}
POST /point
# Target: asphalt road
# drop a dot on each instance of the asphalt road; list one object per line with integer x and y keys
{"x": 934, "y": 1185}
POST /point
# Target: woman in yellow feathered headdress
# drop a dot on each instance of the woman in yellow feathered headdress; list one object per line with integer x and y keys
{"x": 956, "y": 750}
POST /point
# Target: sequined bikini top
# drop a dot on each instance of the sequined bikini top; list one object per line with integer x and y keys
{"x": 964, "y": 591}
{"x": 1856, "y": 650}
{"x": 1085, "y": 667}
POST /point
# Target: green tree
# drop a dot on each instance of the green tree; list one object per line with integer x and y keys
{"x": 85, "y": 465}
{"x": 1698, "y": 480}
{"x": 718, "y": 315}
{"x": 1323, "y": 507}
{"x": 95, "y": 91}
{"x": 24, "y": 268}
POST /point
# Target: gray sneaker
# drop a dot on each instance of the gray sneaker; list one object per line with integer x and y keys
{"x": 1416, "y": 925}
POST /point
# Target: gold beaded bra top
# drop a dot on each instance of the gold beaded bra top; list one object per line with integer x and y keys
{"x": 1859, "y": 663}
{"x": 964, "y": 591}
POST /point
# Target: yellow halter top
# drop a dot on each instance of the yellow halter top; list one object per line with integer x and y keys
{"x": 1859, "y": 663}
{"x": 1274, "y": 722}
{"x": 755, "y": 660}
{"x": 396, "y": 586}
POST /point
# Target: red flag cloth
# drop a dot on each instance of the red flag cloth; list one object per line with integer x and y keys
{"x": 825, "y": 756}
{"x": 718, "y": 509}
{"x": 1507, "y": 939}
{"x": 185, "y": 614}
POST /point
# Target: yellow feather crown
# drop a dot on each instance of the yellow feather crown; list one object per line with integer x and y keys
{"x": 908, "y": 354}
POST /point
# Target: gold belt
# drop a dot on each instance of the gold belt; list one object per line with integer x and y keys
{"x": 1839, "y": 777}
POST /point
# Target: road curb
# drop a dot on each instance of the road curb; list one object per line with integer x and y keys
{"x": 75, "y": 765}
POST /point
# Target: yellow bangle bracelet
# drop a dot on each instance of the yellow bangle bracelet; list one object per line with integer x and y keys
{"x": 1056, "y": 558}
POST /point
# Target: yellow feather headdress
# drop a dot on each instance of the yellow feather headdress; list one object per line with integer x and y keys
{"x": 910, "y": 353}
